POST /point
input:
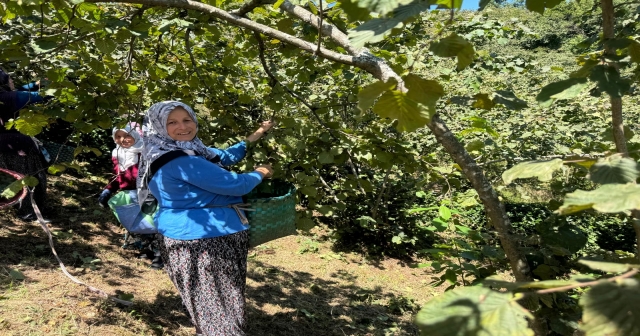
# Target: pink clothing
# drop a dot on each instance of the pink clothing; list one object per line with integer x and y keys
{"x": 124, "y": 180}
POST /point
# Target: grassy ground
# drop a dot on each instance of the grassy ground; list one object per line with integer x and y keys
{"x": 295, "y": 285}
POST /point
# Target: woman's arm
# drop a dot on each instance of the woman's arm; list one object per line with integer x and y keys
{"x": 261, "y": 131}
{"x": 231, "y": 155}
{"x": 236, "y": 153}
{"x": 210, "y": 177}
{"x": 24, "y": 98}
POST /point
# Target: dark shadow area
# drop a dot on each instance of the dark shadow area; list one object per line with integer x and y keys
{"x": 297, "y": 303}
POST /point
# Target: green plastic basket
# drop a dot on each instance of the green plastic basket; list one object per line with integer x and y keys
{"x": 274, "y": 215}
{"x": 58, "y": 151}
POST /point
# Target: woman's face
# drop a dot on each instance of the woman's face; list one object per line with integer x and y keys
{"x": 124, "y": 139}
{"x": 180, "y": 125}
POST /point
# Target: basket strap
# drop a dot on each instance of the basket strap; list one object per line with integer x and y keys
{"x": 237, "y": 207}
{"x": 64, "y": 269}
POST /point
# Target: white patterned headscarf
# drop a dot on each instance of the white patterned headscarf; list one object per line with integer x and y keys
{"x": 157, "y": 141}
{"x": 128, "y": 157}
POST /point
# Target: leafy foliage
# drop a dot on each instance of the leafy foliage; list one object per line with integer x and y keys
{"x": 473, "y": 311}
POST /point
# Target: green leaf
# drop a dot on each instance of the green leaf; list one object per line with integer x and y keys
{"x": 444, "y": 212}
{"x": 611, "y": 308}
{"x": 381, "y": 7}
{"x": 372, "y": 31}
{"x": 105, "y": 45}
{"x": 396, "y": 105}
{"x": 325, "y": 157}
{"x": 15, "y": 187}
{"x": 614, "y": 169}
{"x": 540, "y": 5}
{"x": 353, "y": 11}
{"x": 542, "y": 169}
{"x": 454, "y": 46}
{"x": 483, "y": 4}
{"x": 16, "y": 274}
{"x": 368, "y": 95}
{"x": 278, "y": 4}
{"x": 451, "y": 4}
{"x": 562, "y": 234}
{"x": 608, "y": 267}
{"x": 482, "y": 101}
{"x": 55, "y": 169}
{"x": 376, "y": 29}
{"x": 474, "y": 311}
{"x": 425, "y": 92}
{"x": 309, "y": 191}
{"x": 565, "y": 89}
{"x": 609, "y": 198}
{"x": 634, "y": 51}
{"x": 609, "y": 80}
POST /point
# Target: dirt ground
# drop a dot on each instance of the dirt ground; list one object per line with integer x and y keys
{"x": 295, "y": 285}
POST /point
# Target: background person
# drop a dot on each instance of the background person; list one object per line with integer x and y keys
{"x": 19, "y": 152}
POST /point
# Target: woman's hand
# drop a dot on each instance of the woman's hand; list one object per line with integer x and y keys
{"x": 265, "y": 170}
{"x": 265, "y": 126}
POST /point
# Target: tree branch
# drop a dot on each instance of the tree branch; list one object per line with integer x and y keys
{"x": 328, "y": 30}
{"x": 249, "y": 6}
{"x": 319, "y": 25}
{"x": 589, "y": 283}
{"x": 245, "y": 23}
{"x": 187, "y": 44}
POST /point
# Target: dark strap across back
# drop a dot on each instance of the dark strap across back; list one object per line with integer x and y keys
{"x": 167, "y": 157}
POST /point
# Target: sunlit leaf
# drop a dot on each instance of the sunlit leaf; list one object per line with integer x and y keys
{"x": 611, "y": 309}
{"x": 105, "y": 45}
{"x": 540, "y": 5}
{"x": 16, "y": 274}
{"x": 565, "y": 89}
{"x": 454, "y": 46}
{"x": 482, "y": 101}
{"x": 474, "y": 311}
{"x": 609, "y": 198}
{"x": 425, "y": 92}
{"x": 614, "y": 169}
{"x": 542, "y": 169}
{"x": 368, "y": 95}
{"x": 609, "y": 267}
{"x": 395, "y": 105}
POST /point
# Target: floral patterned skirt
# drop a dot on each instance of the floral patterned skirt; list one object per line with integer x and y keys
{"x": 210, "y": 275}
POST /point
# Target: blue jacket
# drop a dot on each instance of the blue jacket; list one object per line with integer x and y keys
{"x": 185, "y": 185}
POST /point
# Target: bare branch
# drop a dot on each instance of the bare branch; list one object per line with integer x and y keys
{"x": 187, "y": 44}
{"x": 328, "y": 30}
{"x": 319, "y": 30}
{"x": 245, "y": 23}
{"x": 589, "y": 283}
{"x": 249, "y": 6}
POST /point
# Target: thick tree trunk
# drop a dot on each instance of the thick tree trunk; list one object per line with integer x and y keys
{"x": 494, "y": 208}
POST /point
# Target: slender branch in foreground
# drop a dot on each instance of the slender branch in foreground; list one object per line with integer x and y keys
{"x": 319, "y": 25}
{"x": 589, "y": 283}
{"x": 64, "y": 45}
{"x": 187, "y": 43}
{"x": 324, "y": 183}
{"x": 571, "y": 157}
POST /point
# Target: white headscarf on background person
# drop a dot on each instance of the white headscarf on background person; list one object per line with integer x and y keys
{"x": 158, "y": 142}
{"x": 128, "y": 157}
